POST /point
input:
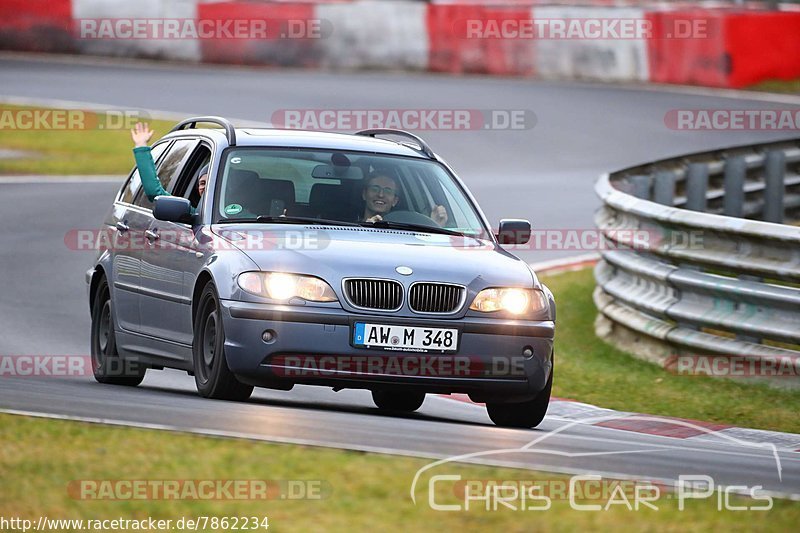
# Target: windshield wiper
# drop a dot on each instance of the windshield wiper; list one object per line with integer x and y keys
{"x": 265, "y": 219}
{"x": 304, "y": 220}
{"x": 413, "y": 227}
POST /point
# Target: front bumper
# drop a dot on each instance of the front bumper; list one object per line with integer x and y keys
{"x": 312, "y": 345}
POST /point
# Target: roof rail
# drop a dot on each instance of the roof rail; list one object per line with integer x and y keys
{"x": 190, "y": 123}
{"x": 423, "y": 146}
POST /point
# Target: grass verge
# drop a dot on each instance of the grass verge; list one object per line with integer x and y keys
{"x": 84, "y": 148}
{"x": 778, "y": 86}
{"x": 39, "y": 459}
{"x": 591, "y": 371}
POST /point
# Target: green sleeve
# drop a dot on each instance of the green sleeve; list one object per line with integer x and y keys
{"x": 147, "y": 173}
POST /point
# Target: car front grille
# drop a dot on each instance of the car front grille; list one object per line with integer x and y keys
{"x": 436, "y": 297}
{"x": 379, "y": 294}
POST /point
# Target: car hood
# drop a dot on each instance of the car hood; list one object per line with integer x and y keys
{"x": 334, "y": 253}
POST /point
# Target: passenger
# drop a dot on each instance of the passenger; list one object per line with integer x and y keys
{"x": 381, "y": 195}
{"x": 141, "y": 134}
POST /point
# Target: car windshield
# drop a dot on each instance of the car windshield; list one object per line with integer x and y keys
{"x": 268, "y": 185}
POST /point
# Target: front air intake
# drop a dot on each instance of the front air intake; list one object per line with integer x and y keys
{"x": 374, "y": 294}
{"x": 436, "y": 298}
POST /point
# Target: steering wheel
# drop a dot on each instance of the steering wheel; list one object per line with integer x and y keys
{"x": 409, "y": 217}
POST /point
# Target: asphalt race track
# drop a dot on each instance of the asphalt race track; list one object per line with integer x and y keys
{"x": 544, "y": 174}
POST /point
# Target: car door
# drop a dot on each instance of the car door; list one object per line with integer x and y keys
{"x": 186, "y": 252}
{"x": 128, "y": 224}
{"x": 164, "y": 309}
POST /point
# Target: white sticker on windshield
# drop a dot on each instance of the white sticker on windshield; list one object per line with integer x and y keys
{"x": 233, "y": 209}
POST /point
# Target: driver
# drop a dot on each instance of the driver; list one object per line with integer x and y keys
{"x": 381, "y": 194}
{"x": 141, "y": 134}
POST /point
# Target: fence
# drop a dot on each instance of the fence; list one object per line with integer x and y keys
{"x": 718, "y": 272}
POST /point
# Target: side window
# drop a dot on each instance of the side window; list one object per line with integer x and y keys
{"x": 461, "y": 220}
{"x": 419, "y": 196}
{"x": 168, "y": 169}
{"x": 132, "y": 187}
{"x": 186, "y": 184}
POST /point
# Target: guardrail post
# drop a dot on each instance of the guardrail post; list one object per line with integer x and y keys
{"x": 697, "y": 187}
{"x": 735, "y": 172}
{"x": 664, "y": 188}
{"x": 740, "y": 336}
{"x": 774, "y": 186}
{"x": 641, "y": 187}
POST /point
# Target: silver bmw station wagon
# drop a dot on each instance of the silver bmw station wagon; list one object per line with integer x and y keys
{"x": 342, "y": 260}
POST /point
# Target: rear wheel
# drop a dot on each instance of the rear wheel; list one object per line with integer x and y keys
{"x": 402, "y": 402}
{"x": 522, "y": 415}
{"x": 211, "y": 373}
{"x": 107, "y": 365}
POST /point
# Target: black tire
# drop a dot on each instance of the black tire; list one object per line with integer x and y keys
{"x": 211, "y": 373}
{"x": 107, "y": 365}
{"x": 522, "y": 415}
{"x": 401, "y": 402}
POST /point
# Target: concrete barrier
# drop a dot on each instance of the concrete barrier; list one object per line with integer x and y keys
{"x": 738, "y": 47}
{"x": 36, "y": 25}
{"x": 374, "y": 35}
{"x": 87, "y": 12}
{"x": 594, "y": 59}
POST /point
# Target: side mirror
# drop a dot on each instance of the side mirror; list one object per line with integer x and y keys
{"x": 514, "y": 231}
{"x": 173, "y": 209}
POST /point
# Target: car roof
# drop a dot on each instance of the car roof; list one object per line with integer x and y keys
{"x": 307, "y": 139}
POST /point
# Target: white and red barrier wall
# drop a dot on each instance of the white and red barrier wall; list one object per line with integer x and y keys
{"x": 743, "y": 47}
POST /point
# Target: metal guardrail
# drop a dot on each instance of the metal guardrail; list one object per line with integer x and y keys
{"x": 702, "y": 259}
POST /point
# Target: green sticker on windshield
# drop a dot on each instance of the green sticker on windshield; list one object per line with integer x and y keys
{"x": 233, "y": 209}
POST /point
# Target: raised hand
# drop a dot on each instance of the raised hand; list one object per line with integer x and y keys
{"x": 141, "y": 134}
{"x": 439, "y": 215}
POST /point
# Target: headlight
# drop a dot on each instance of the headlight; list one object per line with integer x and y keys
{"x": 280, "y": 286}
{"x": 514, "y": 301}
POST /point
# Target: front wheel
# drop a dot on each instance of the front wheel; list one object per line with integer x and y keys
{"x": 402, "y": 402}
{"x": 211, "y": 373}
{"x": 522, "y": 415}
{"x": 107, "y": 366}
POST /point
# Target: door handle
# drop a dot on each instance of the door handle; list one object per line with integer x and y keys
{"x": 151, "y": 235}
{"x": 122, "y": 227}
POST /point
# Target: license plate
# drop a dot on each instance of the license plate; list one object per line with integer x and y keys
{"x": 405, "y": 338}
